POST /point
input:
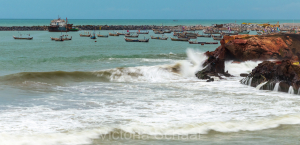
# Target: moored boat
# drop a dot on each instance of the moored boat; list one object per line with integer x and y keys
{"x": 93, "y": 36}
{"x": 217, "y": 38}
{"x": 211, "y": 42}
{"x": 123, "y": 33}
{"x": 113, "y": 34}
{"x": 160, "y": 38}
{"x": 180, "y": 39}
{"x": 143, "y": 32}
{"x": 128, "y": 35}
{"x": 203, "y": 35}
{"x": 158, "y": 32}
{"x": 23, "y": 38}
{"x": 195, "y": 42}
{"x": 244, "y": 32}
{"x": 136, "y": 40}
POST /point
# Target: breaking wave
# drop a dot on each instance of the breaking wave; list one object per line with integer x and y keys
{"x": 162, "y": 73}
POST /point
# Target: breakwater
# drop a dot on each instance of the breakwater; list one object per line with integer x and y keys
{"x": 102, "y": 27}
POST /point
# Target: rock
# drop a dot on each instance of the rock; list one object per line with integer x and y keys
{"x": 254, "y": 47}
{"x": 283, "y": 71}
{"x": 212, "y": 67}
{"x": 244, "y": 75}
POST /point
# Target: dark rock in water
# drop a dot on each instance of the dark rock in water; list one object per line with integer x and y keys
{"x": 210, "y": 80}
{"x": 244, "y": 75}
{"x": 285, "y": 72}
{"x": 212, "y": 67}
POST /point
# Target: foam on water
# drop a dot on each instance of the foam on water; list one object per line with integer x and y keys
{"x": 291, "y": 90}
{"x": 162, "y": 99}
{"x": 277, "y": 87}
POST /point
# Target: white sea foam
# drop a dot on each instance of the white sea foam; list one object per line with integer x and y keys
{"x": 153, "y": 100}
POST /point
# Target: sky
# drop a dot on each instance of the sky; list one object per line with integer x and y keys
{"x": 150, "y": 9}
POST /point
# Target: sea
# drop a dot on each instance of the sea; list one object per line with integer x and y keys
{"x": 108, "y": 91}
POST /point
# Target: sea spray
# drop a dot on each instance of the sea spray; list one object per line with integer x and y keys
{"x": 250, "y": 81}
{"x": 237, "y": 68}
{"x": 195, "y": 60}
{"x": 291, "y": 90}
{"x": 277, "y": 87}
{"x": 260, "y": 85}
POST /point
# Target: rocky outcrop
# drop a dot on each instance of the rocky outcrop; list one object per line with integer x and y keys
{"x": 213, "y": 67}
{"x": 254, "y": 47}
{"x": 286, "y": 73}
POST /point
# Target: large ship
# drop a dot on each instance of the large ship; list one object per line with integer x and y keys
{"x": 60, "y": 25}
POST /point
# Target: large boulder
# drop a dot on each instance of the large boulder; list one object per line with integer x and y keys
{"x": 254, "y": 47}
{"x": 285, "y": 72}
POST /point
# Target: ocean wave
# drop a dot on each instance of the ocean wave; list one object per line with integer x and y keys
{"x": 139, "y": 131}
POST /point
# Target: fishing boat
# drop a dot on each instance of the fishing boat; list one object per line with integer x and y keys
{"x": 158, "y": 32}
{"x": 128, "y": 35}
{"x": 73, "y": 29}
{"x": 167, "y": 31}
{"x": 244, "y": 32}
{"x": 102, "y": 35}
{"x": 93, "y": 36}
{"x": 113, "y": 34}
{"x": 217, "y": 38}
{"x": 180, "y": 39}
{"x": 160, "y": 38}
{"x": 177, "y": 33}
{"x": 211, "y": 42}
{"x": 203, "y": 35}
{"x": 123, "y": 33}
{"x": 195, "y": 42}
{"x": 86, "y": 34}
{"x": 229, "y": 33}
{"x": 66, "y": 37}
{"x": 190, "y": 37}
{"x": 58, "y": 39}
{"x": 23, "y": 38}
{"x": 146, "y": 32}
{"x": 136, "y": 40}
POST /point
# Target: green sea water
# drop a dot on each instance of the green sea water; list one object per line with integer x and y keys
{"x": 108, "y": 91}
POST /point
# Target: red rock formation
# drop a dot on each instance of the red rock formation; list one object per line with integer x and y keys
{"x": 253, "y": 47}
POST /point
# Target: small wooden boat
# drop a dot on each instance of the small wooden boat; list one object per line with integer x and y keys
{"x": 177, "y": 34}
{"x": 217, "y": 38}
{"x": 160, "y": 38}
{"x": 93, "y": 36}
{"x": 244, "y": 32}
{"x": 85, "y": 35}
{"x": 102, "y": 35}
{"x": 23, "y": 38}
{"x": 123, "y": 33}
{"x": 147, "y": 32}
{"x": 167, "y": 31}
{"x": 158, "y": 32}
{"x": 136, "y": 40}
{"x": 203, "y": 35}
{"x": 195, "y": 42}
{"x": 180, "y": 39}
{"x": 128, "y": 35}
{"x": 259, "y": 32}
{"x": 190, "y": 37}
{"x": 211, "y": 42}
{"x": 65, "y": 37}
{"x": 59, "y": 39}
{"x": 113, "y": 34}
